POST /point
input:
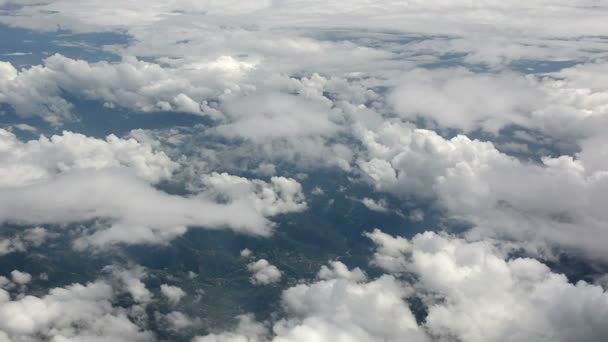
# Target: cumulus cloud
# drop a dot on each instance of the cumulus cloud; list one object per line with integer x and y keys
{"x": 390, "y": 251}
{"x": 132, "y": 84}
{"x": 337, "y": 270}
{"x": 109, "y": 181}
{"x": 20, "y": 278}
{"x": 471, "y": 290}
{"x": 280, "y": 195}
{"x": 76, "y": 313}
{"x": 336, "y": 309}
{"x": 467, "y": 100}
{"x": 564, "y": 104}
{"x": 130, "y": 210}
{"x": 131, "y": 280}
{"x": 499, "y": 194}
{"x": 475, "y": 293}
{"x": 263, "y": 273}
{"x": 23, "y": 163}
{"x": 173, "y": 294}
{"x": 267, "y": 117}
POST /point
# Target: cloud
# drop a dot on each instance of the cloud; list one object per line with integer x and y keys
{"x": 263, "y": 273}
{"x": 23, "y": 163}
{"x": 131, "y": 280}
{"x": 130, "y": 210}
{"x": 373, "y": 205}
{"x": 280, "y": 195}
{"x": 173, "y": 294}
{"x": 390, "y": 253}
{"x": 337, "y": 270}
{"x": 467, "y": 100}
{"x": 471, "y": 291}
{"x": 21, "y": 278}
{"x": 108, "y": 182}
{"x": 511, "y": 15}
{"x": 335, "y": 309}
{"x": 248, "y": 330}
{"x": 291, "y": 36}
{"x": 31, "y": 237}
{"x": 132, "y": 84}
{"x": 277, "y": 116}
{"x": 475, "y": 293}
{"x": 416, "y": 215}
{"x": 76, "y": 313}
{"x": 294, "y": 87}
{"x": 499, "y": 195}
{"x": 567, "y": 104}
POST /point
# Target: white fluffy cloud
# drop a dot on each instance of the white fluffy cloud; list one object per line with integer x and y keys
{"x": 131, "y": 280}
{"x": 23, "y": 163}
{"x": 335, "y": 310}
{"x": 109, "y": 181}
{"x": 268, "y": 117}
{"x": 129, "y": 209}
{"x": 467, "y": 100}
{"x": 337, "y": 270}
{"x": 280, "y": 195}
{"x": 557, "y": 201}
{"x": 132, "y": 84}
{"x": 570, "y": 103}
{"x": 263, "y": 273}
{"x": 476, "y": 294}
{"x": 472, "y": 291}
{"x": 248, "y": 330}
{"x": 21, "y": 278}
{"x": 74, "y": 313}
{"x": 173, "y": 294}
{"x": 294, "y": 36}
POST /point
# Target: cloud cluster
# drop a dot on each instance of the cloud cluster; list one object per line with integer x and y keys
{"x": 471, "y": 290}
{"x": 73, "y": 313}
{"x": 23, "y": 163}
{"x": 132, "y": 84}
{"x": 475, "y": 293}
{"x": 280, "y": 195}
{"x": 500, "y": 195}
{"x": 296, "y": 37}
{"x": 108, "y": 182}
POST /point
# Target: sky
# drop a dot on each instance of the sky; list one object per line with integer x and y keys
{"x": 290, "y": 171}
